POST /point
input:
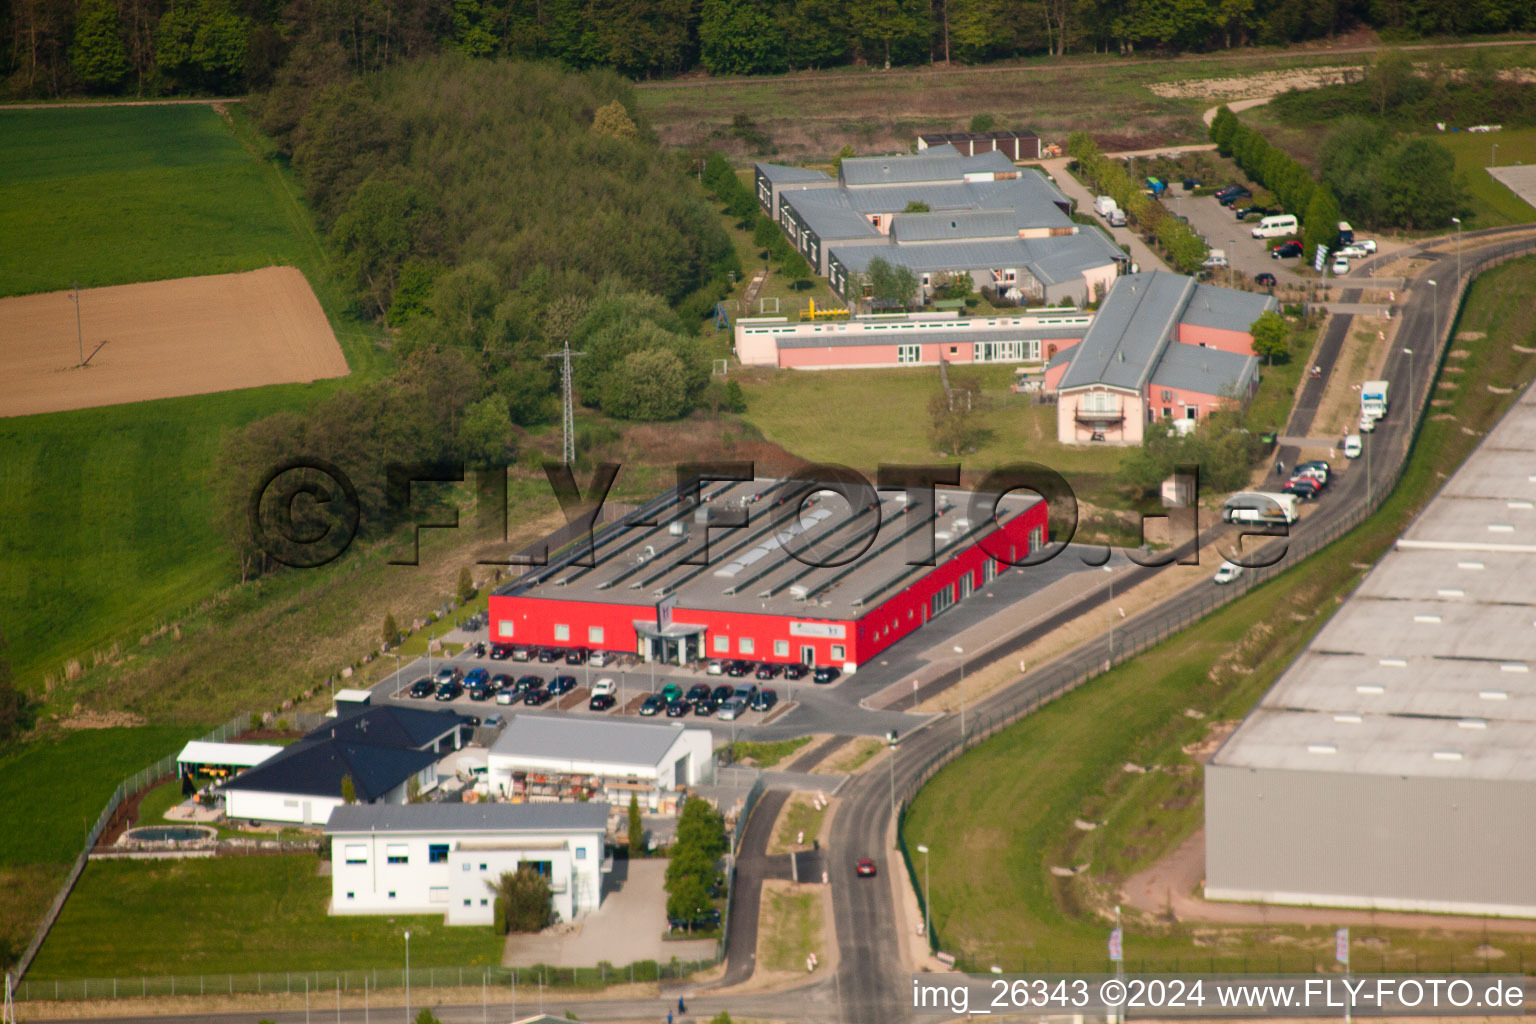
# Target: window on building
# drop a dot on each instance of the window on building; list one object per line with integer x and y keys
{"x": 1167, "y": 395}
{"x": 967, "y": 585}
{"x": 351, "y": 895}
{"x": 781, "y": 648}
{"x": 437, "y": 894}
{"x": 909, "y": 353}
{"x": 391, "y": 894}
{"x": 581, "y": 853}
{"x": 562, "y": 632}
{"x": 722, "y": 645}
{"x": 988, "y": 571}
{"x": 744, "y": 645}
{"x": 482, "y": 901}
{"x": 504, "y": 628}
{"x": 467, "y": 866}
{"x": 954, "y": 349}
{"x": 482, "y": 867}
{"x": 941, "y": 601}
{"x": 839, "y": 652}
{"x": 1191, "y": 413}
{"x": 1167, "y": 412}
{"x": 1100, "y": 401}
{"x": 397, "y": 853}
{"x": 594, "y": 634}
{"x": 357, "y": 854}
{"x": 437, "y": 853}
{"x": 466, "y": 903}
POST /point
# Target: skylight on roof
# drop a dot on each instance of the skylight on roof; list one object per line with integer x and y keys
{"x": 1447, "y": 755}
{"x": 1392, "y": 662}
{"x": 1472, "y": 723}
{"x": 1469, "y": 565}
{"x": 1322, "y": 748}
{"x": 1371, "y": 688}
{"x": 1348, "y": 719}
{"x": 1426, "y": 618}
{"x": 1453, "y": 592}
{"x": 1493, "y": 694}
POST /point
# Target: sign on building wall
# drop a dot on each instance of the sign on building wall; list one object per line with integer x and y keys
{"x": 823, "y": 630}
{"x": 664, "y": 611}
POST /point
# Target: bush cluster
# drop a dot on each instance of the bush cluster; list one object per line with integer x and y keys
{"x": 1183, "y": 245}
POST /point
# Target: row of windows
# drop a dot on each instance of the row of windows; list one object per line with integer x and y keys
{"x": 437, "y": 894}
{"x": 746, "y": 645}
{"x": 437, "y": 853}
{"x": 563, "y": 632}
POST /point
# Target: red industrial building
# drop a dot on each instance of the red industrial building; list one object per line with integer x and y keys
{"x": 753, "y": 598}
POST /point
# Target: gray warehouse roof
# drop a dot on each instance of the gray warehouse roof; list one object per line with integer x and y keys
{"x": 1051, "y": 260}
{"x": 1133, "y": 325}
{"x": 828, "y": 213}
{"x": 582, "y": 739}
{"x": 489, "y": 817}
{"x": 1225, "y": 308}
{"x": 937, "y": 164}
{"x": 1429, "y": 668}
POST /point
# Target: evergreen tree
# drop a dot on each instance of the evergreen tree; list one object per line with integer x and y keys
{"x": 636, "y": 827}
{"x": 390, "y": 632}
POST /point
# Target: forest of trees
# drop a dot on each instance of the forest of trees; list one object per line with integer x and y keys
{"x": 221, "y": 46}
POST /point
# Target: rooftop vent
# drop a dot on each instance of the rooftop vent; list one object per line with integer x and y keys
{"x": 1322, "y": 748}
{"x": 1447, "y": 755}
{"x": 1521, "y": 505}
{"x": 1514, "y": 667}
{"x": 1501, "y": 528}
{"x": 1454, "y": 592}
{"x": 1472, "y": 723}
{"x": 1392, "y": 662}
{"x": 1371, "y": 688}
{"x": 1348, "y": 719}
{"x": 1469, "y": 565}
{"x": 1493, "y": 694}
{"x": 799, "y": 592}
{"x": 678, "y": 528}
{"x": 1426, "y": 618}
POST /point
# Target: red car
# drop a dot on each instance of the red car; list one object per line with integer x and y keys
{"x": 865, "y": 868}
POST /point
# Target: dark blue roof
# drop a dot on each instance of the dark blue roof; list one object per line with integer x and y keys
{"x": 316, "y": 767}
{"x": 387, "y": 725}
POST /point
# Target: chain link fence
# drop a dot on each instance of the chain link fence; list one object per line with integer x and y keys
{"x": 267, "y": 983}
{"x": 1125, "y": 642}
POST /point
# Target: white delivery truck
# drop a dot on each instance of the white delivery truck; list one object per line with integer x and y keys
{"x": 1278, "y": 226}
{"x": 1373, "y": 399}
{"x": 1263, "y": 508}
{"x": 1104, "y": 205}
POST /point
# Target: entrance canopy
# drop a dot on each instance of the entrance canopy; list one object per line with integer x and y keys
{"x": 202, "y": 754}
{"x": 676, "y": 642}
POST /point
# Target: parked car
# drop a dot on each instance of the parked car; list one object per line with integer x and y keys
{"x": 654, "y": 704}
{"x": 1286, "y": 250}
{"x": 1340, "y": 265}
{"x": 1227, "y": 573}
{"x": 446, "y": 674}
{"x": 1367, "y": 423}
{"x": 1303, "y": 488}
{"x": 1317, "y": 464}
{"x": 605, "y": 686}
{"x": 704, "y": 708}
{"x": 1228, "y": 190}
{"x": 526, "y": 683}
{"x": 561, "y": 684}
{"x": 478, "y": 693}
{"x": 824, "y": 674}
{"x": 550, "y": 655}
{"x": 720, "y": 694}
{"x": 1353, "y": 252}
{"x": 501, "y": 652}
{"x": 422, "y": 688}
{"x": 448, "y": 690}
{"x": 1230, "y": 200}
{"x": 745, "y": 691}
{"x": 739, "y": 668}
{"x": 678, "y": 708}
{"x": 672, "y": 691}
{"x": 1264, "y": 280}
{"x": 766, "y": 698}
{"x": 536, "y": 697}
{"x": 1352, "y": 446}
{"x": 520, "y": 653}
{"x": 767, "y": 671}
{"x": 480, "y": 649}
{"x": 502, "y": 681}
{"x": 698, "y": 692}
{"x": 494, "y": 721}
{"x": 732, "y": 708}
{"x": 599, "y": 659}
{"x": 602, "y": 702}
{"x": 576, "y": 656}
{"x": 865, "y": 868}
{"x": 477, "y": 677}
{"x": 505, "y": 697}
{"x": 795, "y": 670}
{"x": 716, "y": 667}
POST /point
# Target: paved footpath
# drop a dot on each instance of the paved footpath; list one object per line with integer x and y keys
{"x": 1140, "y": 251}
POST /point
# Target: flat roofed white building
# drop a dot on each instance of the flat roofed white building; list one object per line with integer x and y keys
{"x": 443, "y": 858}
{"x": 1393, "y": 764}
{"x": 613, "y": 758}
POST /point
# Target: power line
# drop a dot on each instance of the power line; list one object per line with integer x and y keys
{"x": 568, "y": 411}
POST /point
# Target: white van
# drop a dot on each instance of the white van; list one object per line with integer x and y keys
{"x": 1278, "y": 226}
{"x": 1352, "y": 447}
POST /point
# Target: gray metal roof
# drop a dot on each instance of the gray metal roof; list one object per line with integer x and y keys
{"x": 934, "y": 165}
{"x": 1010, "y": 333}
{"x": 1133, "y": 325}
{"x": 584, "y": 739}
{"x": 1429, "y": 668}
{"x": 783, "y": 174}
{"x": 488, "y": 817}
{"x": 1065, "y": 257}
{"x": 923, "y": 259}
{"x": 827, "y": 212}
{"x": 1225, "y": 308}
{"x": 952, "y": 226}
{"x": 991, "y": 160}
{"x": 1209, "y": 371}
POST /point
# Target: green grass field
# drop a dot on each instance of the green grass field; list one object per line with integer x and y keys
{"x": 1493, "y": 204}
{"x": 123, "y": 194}
{"x": 768, "y": 754}
{"x": 994, "y": 899}
{"x": 55, "y": 788}
{"x": 234, "y": 915}
{"x": 109, "y": 511}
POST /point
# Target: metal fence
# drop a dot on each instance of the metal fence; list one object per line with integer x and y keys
{"x": 1138, "y": 635}
{"x": 274, "y": 982}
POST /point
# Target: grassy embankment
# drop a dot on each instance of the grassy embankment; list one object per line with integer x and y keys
{"x": 995, "y": 900}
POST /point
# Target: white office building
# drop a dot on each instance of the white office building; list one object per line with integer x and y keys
{"x": 545, "y": 759}
{"x": 444, "y": 858}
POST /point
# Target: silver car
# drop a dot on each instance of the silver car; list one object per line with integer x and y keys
{"x": 732, "y": 707}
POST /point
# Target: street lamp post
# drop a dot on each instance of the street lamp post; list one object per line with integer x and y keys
{"x": 1457, "y": 221}
{"x": 927, "y": 900}
{"x": 1111, "y": 613}
{"x": 407, "y": 977}
{"x": 961, "y": 651}
{"x": 1493, "y": 155}
{"x": 1434, "y": 318}
{"x": 1411, "y": 407}
{"x": 1231, "y": 252}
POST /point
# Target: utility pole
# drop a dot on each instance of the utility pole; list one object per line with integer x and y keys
{"x": 79, "y": 334}
{"x": 568, "y": 411}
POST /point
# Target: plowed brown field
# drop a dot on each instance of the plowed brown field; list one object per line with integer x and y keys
{"x": 189, "y": 336}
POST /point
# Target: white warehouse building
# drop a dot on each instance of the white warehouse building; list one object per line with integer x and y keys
{"x": 444, "y": 858}
{"x": 546, "y": 758}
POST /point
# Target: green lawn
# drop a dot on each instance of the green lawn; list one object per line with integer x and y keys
{"x": 234, "y": 914}
{"x": 122, "y": 194}
{"x": 109, "y": 511}
{"x": 794, "y": 928}
{"x": 55, "y": 788}
{"x": 1271, "y": 407}
{"x": 1493, "y": 204}
{"x": 800, "y": 817}
{"x": 768, "y": 754}
{"x": 999, "y": 818}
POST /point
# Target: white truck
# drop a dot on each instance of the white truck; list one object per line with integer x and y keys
{"x": 1373, "y": 399}
{"x": 1265, "y": 508}
{"x": 1105, "y": 205}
